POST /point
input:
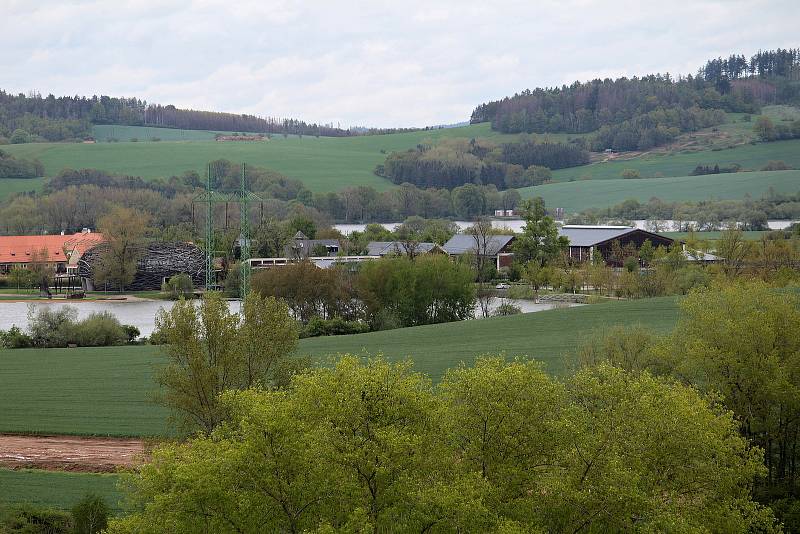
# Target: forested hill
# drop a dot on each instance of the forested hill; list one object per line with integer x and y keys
{"x": 61, "y": 118}
{"x": 637, "y": 113}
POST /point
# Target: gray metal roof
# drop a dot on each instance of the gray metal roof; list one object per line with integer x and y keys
{"x": 384, "y": 248}
{"x": 374, "y": 248}
{"x": 587, "y": 236}
{"x": 463, "y": 243}
{"x": 699, "y": 256}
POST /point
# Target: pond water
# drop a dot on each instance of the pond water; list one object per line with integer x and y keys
{"x": 141, "y": 314}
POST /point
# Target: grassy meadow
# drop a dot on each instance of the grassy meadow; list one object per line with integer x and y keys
{"x": 96, "y": 391}
{"x": 107, "y": 390}
{"x": 582, "y": 194}
{"x": 658, "y": 164}
{"x": 19, "y": 185}
{"x": 323, "y": 164}
{"x": 331, "y": 164}
{"x": 56, "y": 489}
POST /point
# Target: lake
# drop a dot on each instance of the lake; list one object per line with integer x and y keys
{"x": 142, "y": 314}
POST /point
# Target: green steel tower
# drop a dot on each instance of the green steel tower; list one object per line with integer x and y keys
{"x": 243, "y": 197}
{"x": 244, "y": 235}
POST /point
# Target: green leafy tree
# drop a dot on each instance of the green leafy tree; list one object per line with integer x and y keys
{"x": 743, "y": 341}
{"x": 90, "y": 515}
{"x": 764, "y": 128}
{"x": 539, "y": 241}
{"x": 498, "y": 447}
{"x": 211, "y": 350}
{"x": 19, "y": 136}
{"x": 124, "y": 230}
{"x": 179, "y": 286}
{"x": 305, "y": 224}
{"x": 354, "y": 448}
{"x": 431, "y": 289}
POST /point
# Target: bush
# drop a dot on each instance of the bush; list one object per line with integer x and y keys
{"x": 59, "y": 328}
{"x": 90, "y": 515}
{"x": 51, "y": 327}
{"x": 333, "y": 327}
{"x": 131, "y": 332}
{"x": 29, "y": 519}
{"x": 506, "y": 309}
{"x": 99, "y": 329}
{"x": 630, "y": 174}
{"x": 776, "y": 166}
{"x": 19, "y": 136}
{"x": 179, "y": 286}
{"x": 14, "y": 338}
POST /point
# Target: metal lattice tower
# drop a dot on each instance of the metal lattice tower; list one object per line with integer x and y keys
{"x": 244, "y": 236}
{"x": 243, "y": 198}
{"x": 209, "y": 231}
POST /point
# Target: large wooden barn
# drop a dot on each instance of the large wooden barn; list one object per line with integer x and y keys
{"x": 586, "y": 241}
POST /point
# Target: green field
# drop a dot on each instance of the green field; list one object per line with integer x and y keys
{"x": 323, "y": 164}
{"x": 331, "y": 164}
{"x": 583, "y": 194}
{"x": 97, "y": 391}
{"x": 106, "y": 391}
{"x": 144, "y": 134}
{"x": 750, "y": 157}
{"x": 56, "y": 489}
{"x": 548, "y": 336}
{"x": 19, "y": 185}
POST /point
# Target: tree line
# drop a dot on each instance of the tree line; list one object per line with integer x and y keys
{"x": 689, "y": 431}
{"x": 705, "y": 215}
{"x": 36, "y": 118}
{"x": 455, "y": 162}
{"x": 75, "y": 199}
{"x": 652, "y": 106}
{"x": 13, "y": 167}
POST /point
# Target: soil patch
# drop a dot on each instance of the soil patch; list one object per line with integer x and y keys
{"x": 70, "y": 453}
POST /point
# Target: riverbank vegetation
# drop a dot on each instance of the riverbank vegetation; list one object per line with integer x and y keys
{"x": 50, "y": 328}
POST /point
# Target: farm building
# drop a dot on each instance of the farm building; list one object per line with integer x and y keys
{"x": 61, "y": 252}
{"x": 158, "y": 262}
{"x": 398, "y": 248}
{"x": 497, "y": 247}
{"x": 585, "y": 241}
{"x": 301, "y": 247}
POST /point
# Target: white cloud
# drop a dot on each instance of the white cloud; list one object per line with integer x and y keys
{"x": 375, "y": 63}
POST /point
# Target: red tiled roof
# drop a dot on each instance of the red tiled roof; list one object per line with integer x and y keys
{"x": 20, "y": 248}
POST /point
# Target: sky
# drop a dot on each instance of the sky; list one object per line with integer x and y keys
{"x": 373, "y": 63}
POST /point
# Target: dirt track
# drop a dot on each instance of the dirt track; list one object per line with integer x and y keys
{"x": 70, "y": 453}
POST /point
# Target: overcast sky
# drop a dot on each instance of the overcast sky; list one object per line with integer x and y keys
{"x": 374, "y": 63}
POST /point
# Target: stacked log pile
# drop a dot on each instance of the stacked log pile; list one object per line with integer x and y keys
{"x": 157, "y": 262}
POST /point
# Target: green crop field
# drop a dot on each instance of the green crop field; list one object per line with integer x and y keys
{"x": 331, "y": 164}
{"x": 548, "y": 336}
{"x": 55, "y": 489}
{"x": 97, "y": 391}
{"x": 750, "y": 157}
{"x": 19, "y": 185}
{"x": 144, "y": 134}
{"x": 106, "y": 391}
{"x": 323, "y": 164}
{"x": 579, "y": 195}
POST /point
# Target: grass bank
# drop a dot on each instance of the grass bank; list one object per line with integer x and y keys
{"x": 583, "y": 194}
{"x": 108, "y": 390}
{"x": 56, "y": 489}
